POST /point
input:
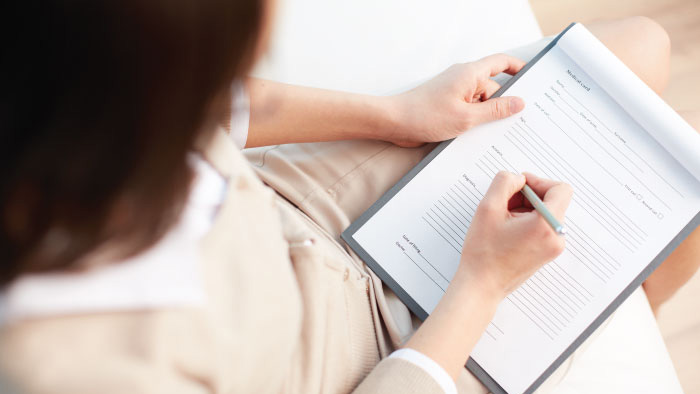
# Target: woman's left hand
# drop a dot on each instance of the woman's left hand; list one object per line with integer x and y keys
{"x": 453, "y": 102}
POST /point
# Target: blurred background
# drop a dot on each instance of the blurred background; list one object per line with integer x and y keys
{"x": 679, "y": 319}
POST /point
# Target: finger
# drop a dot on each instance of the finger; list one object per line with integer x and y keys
{"x": 500, "y": 63}
{"x": 555, "y": 195}
{"x": 494, "y": 109}
{"x": 538, "y": 184}
{"x": 503, "y": 187}
{"x": 490, "y": 87}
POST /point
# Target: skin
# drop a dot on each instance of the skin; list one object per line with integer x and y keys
{"x": 507, "y": 241}
{"x": 438, "y": 110}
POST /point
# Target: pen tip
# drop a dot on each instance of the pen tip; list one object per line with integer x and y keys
{"x": 561, "y": 230}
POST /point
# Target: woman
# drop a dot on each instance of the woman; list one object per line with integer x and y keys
{"x": 142, "y": 254}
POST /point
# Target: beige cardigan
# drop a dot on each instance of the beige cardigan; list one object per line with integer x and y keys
{"x": 288, "y": 310}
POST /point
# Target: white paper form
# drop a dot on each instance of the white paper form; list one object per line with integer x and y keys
{"x": 631, "y": 198}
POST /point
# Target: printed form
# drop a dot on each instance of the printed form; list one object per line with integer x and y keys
{"x": 631, "y": 197}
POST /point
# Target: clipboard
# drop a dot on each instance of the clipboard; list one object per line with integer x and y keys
{"x": 415, "y": 308}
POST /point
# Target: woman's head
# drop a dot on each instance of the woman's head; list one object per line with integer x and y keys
{"x": 100, "y": 102}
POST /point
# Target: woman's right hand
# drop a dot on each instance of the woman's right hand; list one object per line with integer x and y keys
{"x": 507, "y": 240}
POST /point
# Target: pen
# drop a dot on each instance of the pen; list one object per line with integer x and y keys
{"x": 542, "y": 209}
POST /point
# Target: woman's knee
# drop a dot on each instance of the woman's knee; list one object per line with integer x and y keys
{"x": 642, "y": 44}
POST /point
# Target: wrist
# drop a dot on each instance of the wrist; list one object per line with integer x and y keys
{"x": 477, "y": 288}
{"x": 455, "y": 325}
{"x": 390, "y": 119}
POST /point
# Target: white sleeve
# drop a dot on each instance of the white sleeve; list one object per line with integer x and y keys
{"x": 240, "y": 114}
{"x": 428, "y": 365}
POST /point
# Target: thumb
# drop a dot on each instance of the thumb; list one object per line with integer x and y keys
{"x": 496, "y": 108}
{"x": 503, "y": 187}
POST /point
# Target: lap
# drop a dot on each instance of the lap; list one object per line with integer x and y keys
{"x": 334, "y": 182}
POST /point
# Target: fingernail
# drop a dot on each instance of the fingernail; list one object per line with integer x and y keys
{"x": 516, "y": 105}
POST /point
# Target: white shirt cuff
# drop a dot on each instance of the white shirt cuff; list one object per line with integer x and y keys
{"x": 240, "y": 114}
{"x": 433, "y": 369}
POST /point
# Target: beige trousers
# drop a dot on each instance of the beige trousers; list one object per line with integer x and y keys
{"x": 335, "y": 182}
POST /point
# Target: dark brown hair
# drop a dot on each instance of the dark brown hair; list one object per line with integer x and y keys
{"x": 100, "y": 103}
